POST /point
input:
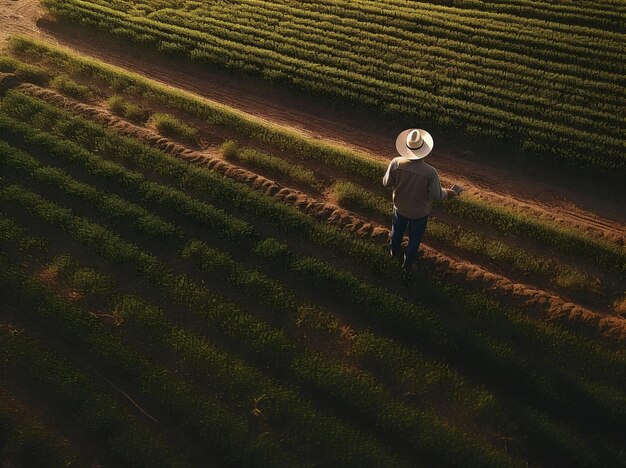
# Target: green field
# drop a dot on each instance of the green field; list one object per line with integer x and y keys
{"x": 539, "y": 79}
{"x": 161, "y": 310}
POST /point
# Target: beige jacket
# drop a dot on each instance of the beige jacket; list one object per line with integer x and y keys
{"x": 415, "y": 186}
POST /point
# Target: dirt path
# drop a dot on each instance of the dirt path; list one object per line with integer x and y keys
{"x": 535, "y": 192}
{"x": 18, "y": 17}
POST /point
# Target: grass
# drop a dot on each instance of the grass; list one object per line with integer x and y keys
{"x": 352, "y": 196}
{"x": 272, "y": 164}
{"x": 71, "y": 88}
{"x": 8, "y": 64}
{"x": 171, "y": 127}
{"x": 123, "y": 108}
{"x": 33, "y": 74}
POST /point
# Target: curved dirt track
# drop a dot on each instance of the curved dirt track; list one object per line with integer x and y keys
{"x": 533, "y": 300}
{"x": 537, "y": 193}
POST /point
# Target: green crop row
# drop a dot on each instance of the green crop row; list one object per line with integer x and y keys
{"x": 349, "y": 162}
{"x": 446, "y": 25}
{"x": 392, "y": 312}
{"x": 103, "y": 243}
{"x": 202, "y": 213}
{"x": 351, "y": 43}
{"x": 583, "y": 14}
{"x": 172, "y": 127}
{"x": 71, "y": 88}
{"x": 281, "y": 407}
{"x": 271, "y": 164}
{"x": 343, "y": 43}
{"x": 153, "y": 163}
{"x": 222, "y": 191}
{"x": 204, "y": 415}
{"x": 248, "y": 279}
{"x": 574, "y": 280}
{"x": 426, "y": 378}
{"x": 29, "y": 364}
{"x": 487, "y": 93}
{"x": 110, "y": 205}
{"x": 197, "y": 253}
{"x": 119, "y": 106}
{"x": 262, "y": 343}
{"x": 149, "y": 225}
{"x": 290, "y": 62}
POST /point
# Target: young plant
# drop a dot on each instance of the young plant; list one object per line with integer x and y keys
{"x": 71, "y": 88}
{"x": 172, "y": 127}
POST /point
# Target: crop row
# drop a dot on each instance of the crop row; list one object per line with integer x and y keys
{"x": 147, "y": 162}
{"x": 267, "y": 346}
{"x": 350, "y": 286}
{"x": 110, "y": 205}
{"x": 392, "y": 5}
{"x": 349, "y": 162}
{"x": 584, "y": 14}
{"x": 29, "y": 364}
{"x": 368, "y": 171}
{"x": 226, "y": 193}
{"x": 223, "y": 192}
{"x": 573, "y": 279}
{"x": 369, "y": 89}
{"x": 197, "y": 251}
{"x": 269, "y": 163}
{"x": 356, "y": 58}
{"x": 281, "y": 409}
{"x": 207, "y": 417}
{"x": 289, "y": 20}
{"x": 465, "y": 86}
{"x": 350, "y": 35}
{"x": 443, "y": 24}
{"x": 395, "y": 362}
{"x": 125, "y": 250}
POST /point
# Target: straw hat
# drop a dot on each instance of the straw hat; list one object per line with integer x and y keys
{"x": 414, "y": 143}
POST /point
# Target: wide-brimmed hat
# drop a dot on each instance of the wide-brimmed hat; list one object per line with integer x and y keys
{"x": 414, "y": 143}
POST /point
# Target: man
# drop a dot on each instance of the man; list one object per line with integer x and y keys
{"x": 415, "y": 186}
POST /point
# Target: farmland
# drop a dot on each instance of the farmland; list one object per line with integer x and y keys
{"x": 187, "y": 284}
{"x": 527, "y": 76}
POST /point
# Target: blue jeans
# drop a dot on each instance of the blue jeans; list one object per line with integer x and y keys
{"x": 417, "y": 227}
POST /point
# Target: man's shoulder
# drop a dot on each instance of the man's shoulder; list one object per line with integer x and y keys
{"x": 395, "y": 162}
{"x": 430, "y": 169}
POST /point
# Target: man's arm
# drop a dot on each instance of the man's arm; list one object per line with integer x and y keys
{"x": 436, "y": 191}
{"x": 389, "y": 180}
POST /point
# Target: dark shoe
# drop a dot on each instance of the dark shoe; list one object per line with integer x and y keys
{"x": 412, "y": 267}
{"x": 409, "y": 267}
{"x": 397, "y": 256}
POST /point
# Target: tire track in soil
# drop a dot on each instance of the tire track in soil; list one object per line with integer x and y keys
{"x": 532, "y": 300}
